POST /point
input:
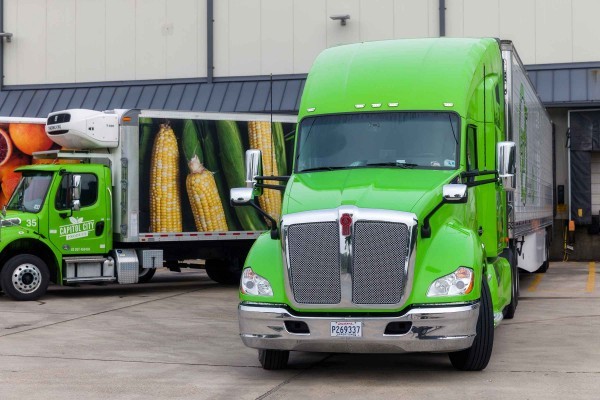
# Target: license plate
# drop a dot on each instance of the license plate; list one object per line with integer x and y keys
{"x": 346, "y": 329}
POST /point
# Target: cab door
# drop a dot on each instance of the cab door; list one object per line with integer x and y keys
{"x": 83, "y": 231}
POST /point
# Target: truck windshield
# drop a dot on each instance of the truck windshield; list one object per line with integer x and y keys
{"x": 379, "y": 139}
{"x": 30, "y": 192}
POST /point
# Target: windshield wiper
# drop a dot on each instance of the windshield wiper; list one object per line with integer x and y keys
{"x": 322, "y": 169}
{"x": 392, "y": 164}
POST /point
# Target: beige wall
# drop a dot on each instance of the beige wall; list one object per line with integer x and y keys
{"x": 58, "y": 41}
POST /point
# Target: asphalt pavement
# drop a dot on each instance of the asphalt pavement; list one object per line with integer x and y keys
{"x": 177, "y": 338}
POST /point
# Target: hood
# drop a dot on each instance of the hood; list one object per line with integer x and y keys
{"x": 18, "y": 223}
{"x": 379, "y": 188}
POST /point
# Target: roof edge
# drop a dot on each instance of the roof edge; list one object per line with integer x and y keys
{"x": 561, "y": 66}
{"x": 99, "y": 84}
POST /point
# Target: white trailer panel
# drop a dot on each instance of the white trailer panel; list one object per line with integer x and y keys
{"x": 529, "y": 126}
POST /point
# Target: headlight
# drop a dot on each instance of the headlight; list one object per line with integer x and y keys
{"x": 457, "y": 283}
{"x": 255, "y": 284}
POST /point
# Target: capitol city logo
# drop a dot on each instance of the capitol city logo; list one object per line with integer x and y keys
{"x": 77, "y": 229}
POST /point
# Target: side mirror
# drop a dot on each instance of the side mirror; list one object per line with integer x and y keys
{"x": 75, "y": 192}
{"x": 455, "y": 193}
{"x": 253, "y": 169}
{"x": 507, "y": 165}
{"x": 75, "y": 187}
{"x": 245, "y": 196}
{"x": 241, "y": 196}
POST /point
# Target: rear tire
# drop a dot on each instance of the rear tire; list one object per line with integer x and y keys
{"x": 546, "y": 263}
{"x": 273, "y": 359}
{"x": 225, "y": 272}
{"x": 25, "y": 277}
{"x": 477, "y": 357}
{"x": 146, "y": 274}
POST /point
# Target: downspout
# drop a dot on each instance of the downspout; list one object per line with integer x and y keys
{"x": 1, "y": 45}
{"x": 442, "y": 18}
{"x": 209, "y": 40}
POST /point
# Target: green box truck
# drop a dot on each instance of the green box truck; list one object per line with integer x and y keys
{"x": 419, "y": 185}
{"x": 123, "y": 192}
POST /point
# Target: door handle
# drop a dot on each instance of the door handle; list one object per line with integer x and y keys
{"x": 99, "y": 228}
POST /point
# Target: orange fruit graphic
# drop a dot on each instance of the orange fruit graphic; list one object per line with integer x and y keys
{"x": 6, "y": 147}
{"x": 10, "y": 182}
{"x": 29, "y": 137}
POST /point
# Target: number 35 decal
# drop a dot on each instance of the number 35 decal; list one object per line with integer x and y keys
{"x": 31, "y": 223}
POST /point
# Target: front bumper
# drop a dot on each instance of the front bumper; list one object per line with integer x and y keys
{"x": 435, "y": 329}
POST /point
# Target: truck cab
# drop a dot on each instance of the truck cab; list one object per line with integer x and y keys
{"x": 394, "y": 220}
{"x": 57, "y": 213}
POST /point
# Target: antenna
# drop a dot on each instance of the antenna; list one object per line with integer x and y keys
{"x": 271, "y": 126}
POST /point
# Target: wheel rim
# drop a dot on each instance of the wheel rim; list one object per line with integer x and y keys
{"x": 27, "y": 278}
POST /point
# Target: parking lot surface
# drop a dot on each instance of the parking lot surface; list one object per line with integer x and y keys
{"x": 177, "y": 338}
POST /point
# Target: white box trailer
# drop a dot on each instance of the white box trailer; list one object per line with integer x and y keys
{"x": 531, "y": 204}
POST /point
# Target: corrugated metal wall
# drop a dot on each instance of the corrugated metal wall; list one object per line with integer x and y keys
{"x": 595, "y": 169}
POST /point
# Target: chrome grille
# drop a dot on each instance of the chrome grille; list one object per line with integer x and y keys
{"x": 378, "y": 275}
{"x": 314, "y": 256}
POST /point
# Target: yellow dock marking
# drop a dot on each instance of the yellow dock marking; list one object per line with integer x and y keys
{"x": 535, "y": 283}
{"x": 591, "y": 281}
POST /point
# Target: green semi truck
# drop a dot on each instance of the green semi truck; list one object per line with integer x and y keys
{"x": 420, "y": 184}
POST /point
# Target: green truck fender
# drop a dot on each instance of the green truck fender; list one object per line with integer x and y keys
{"x": 265, "y": 258}
{"x": 452, "y": 245}
{"x": 499, "y": 280}
{"x": 27, "y": 242}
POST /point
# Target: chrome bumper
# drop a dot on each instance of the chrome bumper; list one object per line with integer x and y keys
{"x": 438, "y": 329}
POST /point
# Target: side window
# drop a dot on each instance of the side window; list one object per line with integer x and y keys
{"x": 471, "y": 148}
{"x": 89, "y": 192}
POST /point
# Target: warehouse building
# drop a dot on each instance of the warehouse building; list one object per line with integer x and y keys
{"x": 253, "y": 56}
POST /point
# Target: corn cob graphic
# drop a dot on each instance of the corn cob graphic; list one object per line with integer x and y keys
{"x": 207, "y": 208}
{"x": 259, "y": 135}
{"x": 165, "y": 203}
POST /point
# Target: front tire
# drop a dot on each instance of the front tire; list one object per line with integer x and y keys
{"x": 273, "y": 359}
{"x": 226, "y": 272}
{"x": 25, "y": 277}
{"x": 476, "y": 357}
